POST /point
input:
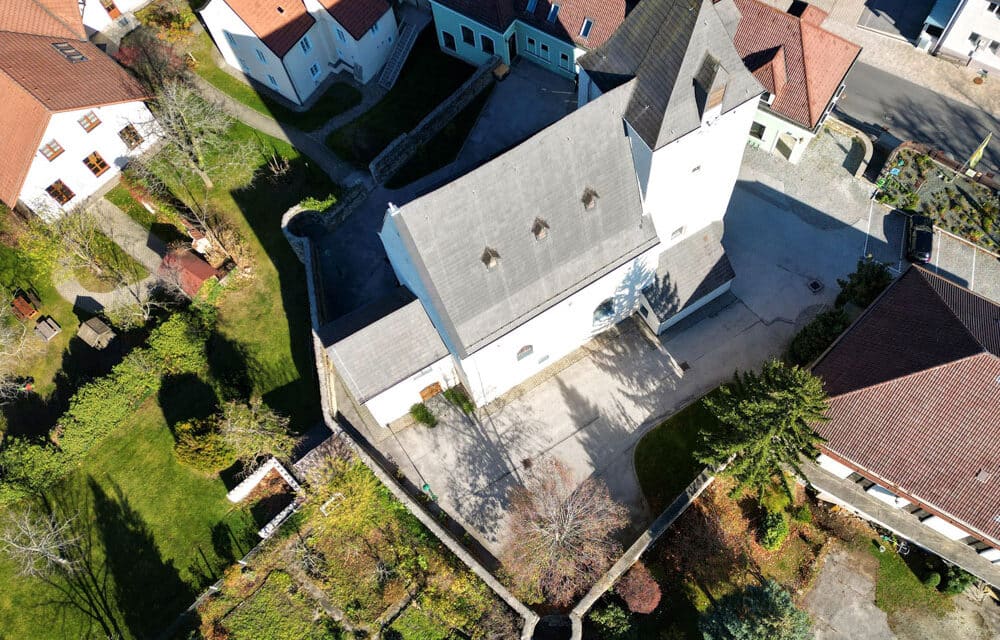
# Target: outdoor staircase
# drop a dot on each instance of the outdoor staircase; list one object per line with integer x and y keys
{"x": 394, "y": 65}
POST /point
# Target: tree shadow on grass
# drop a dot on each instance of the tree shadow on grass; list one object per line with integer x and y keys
{"x": 186, "y": 397}
{"x": 149, "y": 590}
{"x": 228, "y": 362}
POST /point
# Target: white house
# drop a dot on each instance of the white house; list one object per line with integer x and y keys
{"x": 615, "y": 208}
{"x": 291, "y": 46}
{"x": 802, "y": 67}
{"x": 72, "y": 117}
{"x": 110, "y": 16}
{"x": 968, "y": 30}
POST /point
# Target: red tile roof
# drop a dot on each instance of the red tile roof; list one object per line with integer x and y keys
{"x": 36, "y": 80}
{"x": 815, "y": 60}
{"x": 915, "y": 397}
{"x": 607, "y": 16}
{"x": 278, "y": 23}
{"x": 357, "y": 16}
{"x": 189, "y": 269}
{"x": 60, "y": 18}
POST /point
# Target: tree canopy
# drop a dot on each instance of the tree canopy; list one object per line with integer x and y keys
{"x": 764, "y": 612}
{"x": 765, "y": 422}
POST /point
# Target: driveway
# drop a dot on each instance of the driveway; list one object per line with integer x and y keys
{"x": 842, "y": 600}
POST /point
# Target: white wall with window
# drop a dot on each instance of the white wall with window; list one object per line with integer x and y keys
{"x": 395, "y": 402}
{"x": 102, "y": 15}
{"x": 974, "y": 34}
{"x": 369, "y": 53}
{"x": 81, "y": 151}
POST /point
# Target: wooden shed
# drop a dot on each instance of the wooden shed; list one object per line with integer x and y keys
{"x": 95, "y": 333}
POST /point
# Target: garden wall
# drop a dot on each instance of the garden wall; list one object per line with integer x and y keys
{"x": 400, "y": 150}
{"x": 243, "y": 489}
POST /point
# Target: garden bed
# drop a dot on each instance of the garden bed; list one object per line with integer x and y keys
{"x": 269, "y": 498}
{"x": 277, "y": 610}
{"x": 914, "y": 182}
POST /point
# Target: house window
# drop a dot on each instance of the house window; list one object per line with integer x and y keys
{"x": 490, "y": 258}
{"x": 449, "y": 40}
{"x": 540, "y": 229}
{"x": 588, "y": 24}
{"x": 96, "y": 163}
{"x": 532, "y": 46}
{"x": 375, "y": 28}
{"x": 974, "y": 38}
{"x": 564, "y": 61}
{"x": 341, "y": 36}
{"x": 532, "y": 5}
{"x": 89, "y": 122}
{"x": 314, "y": 70}
{"x": 468, "y": 37}
{"x": 305, "y": 44}
{"x": 994, "y": 46}
{"x": 553, "y": 12}
{"x": 260, "y": 55}
{"x": 994, "y": 7}
{"x": 487, "y": 44}
{"x": 757, "y": 130}
{"x": 604, "y": 311}
{"x": 230, "y": 39}
{"x": 51, "y": 150}
{"x": 59, "y": 192}
{"x": 545, "y": 51}
{"x": 589, "y": 198}
{"x": 677, "y": 233}
{"x": 69, "y": 52}
{"x": 270, "y": 78}
{"x": 525, "y": 351}
{"x": 643, "y": 311}
{"x": 130, "y": 136}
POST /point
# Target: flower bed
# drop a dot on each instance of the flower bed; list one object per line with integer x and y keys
{"x": 913, "y": 181}
{"x": 269, "y": 498}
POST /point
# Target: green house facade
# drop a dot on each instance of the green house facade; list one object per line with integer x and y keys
{"x": 553, "y": 36}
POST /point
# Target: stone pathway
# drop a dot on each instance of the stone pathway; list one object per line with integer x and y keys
{"x": 904, "y": 60}
{"x": 136, "y": 241}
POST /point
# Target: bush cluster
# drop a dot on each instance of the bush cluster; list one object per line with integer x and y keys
{"x": 957, "y": 580}
{"x": 639, "y": 590}
{"x": 773, "y": 530}
{"x": 613, "y": 623}
{"x": 423, "y": 415}
{"x": 199, "y": 445}
{"x": 815, "y": 337}
{"x": 457, "y": 396}
{"x": 100, "y": 406}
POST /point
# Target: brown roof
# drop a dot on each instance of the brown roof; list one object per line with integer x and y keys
{"x": 278, "y": 23}
{"x": 357, "y": 16}
{"x": 189, "y": 269}
{"x": 36, "y": 80}
{"x": 60, "y": 18}
{"x": 915, "y": 397}
{"x": 815, "y": 61}
{"x": 606, "y": 15}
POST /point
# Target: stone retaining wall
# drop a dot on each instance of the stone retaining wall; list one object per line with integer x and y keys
{"x": 405, "y": 146}
{"x": 243, "y": 489}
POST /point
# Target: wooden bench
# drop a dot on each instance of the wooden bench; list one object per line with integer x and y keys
{"x": 25, "y": 305}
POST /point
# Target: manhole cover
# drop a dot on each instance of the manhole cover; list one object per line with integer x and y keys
{"x": 684, "y": 366}
{"x": 815, "y": 286}
{"x": 526, "y": 463}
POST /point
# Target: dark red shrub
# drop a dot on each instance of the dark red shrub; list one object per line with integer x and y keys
{"x": 639, "y": 590}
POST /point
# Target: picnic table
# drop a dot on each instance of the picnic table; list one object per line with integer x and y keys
{"x": 47, "y": 328}
{"x": 25, "y": 305}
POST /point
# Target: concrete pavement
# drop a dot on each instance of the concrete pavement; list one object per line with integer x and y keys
{"x": 842, "y": 601}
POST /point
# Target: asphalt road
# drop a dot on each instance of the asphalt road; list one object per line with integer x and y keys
{"x": 875, "y": 100}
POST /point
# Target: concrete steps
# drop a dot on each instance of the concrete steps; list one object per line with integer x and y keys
{"x": 404, "y": 44}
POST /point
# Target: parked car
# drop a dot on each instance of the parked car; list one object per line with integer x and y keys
{"x": 919, "y": 238}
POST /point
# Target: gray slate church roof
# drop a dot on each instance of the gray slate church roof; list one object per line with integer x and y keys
{"x": 688, "y": 271}
{"x": 383, "y": 343}
{"x": 662, "y": 46}
{"x": 496, "y": 206}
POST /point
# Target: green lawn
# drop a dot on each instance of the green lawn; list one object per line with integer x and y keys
{"x": 443, "y": 148}
{"x": 339, "y": 97}
{"x": 898, "y": 588}
{"x": 663, "y": 459}
{"x": 121, "y": 198}
{"x": 428, "y": 78}
{"x": 164, "y": 530}
{"x": 278, "y": 611}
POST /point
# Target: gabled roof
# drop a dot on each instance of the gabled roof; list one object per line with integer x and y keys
{"x": 36, "y": 80}
{"x": 796, "y": 60}
{"x": 278, "y": 23}
{"x": 662, "y": 45}
{"x": 498, "y": 15}
{"x": 382, "y": 344}
{"x": 689, "y": 271}
{"x": 357, "y": 16}
{"x": 188, "y": 269}
{"x": 914, "y": 390}
{"x": 582, "y": 157}
{"x": 59, "y": 18}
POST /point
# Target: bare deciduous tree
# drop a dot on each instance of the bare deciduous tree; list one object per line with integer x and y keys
{"x": 255, "y": 433}
{"x": 40, "y": 544}
{"x": 561, "y": 533}
{"x": 81, "y": 241}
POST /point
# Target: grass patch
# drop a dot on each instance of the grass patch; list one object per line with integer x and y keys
{"x": 169, "y": 532}
{"x": 121, "y": 198}
{"x": 337, "y": 99}
{"x": 898, "y": 588}
{"x": 110, "y": 257}
{"x": 663, "y": 458}
{"x": 278, "y": 611}
{"x": 443, "y": 148}
{"x": 428, "y": 78}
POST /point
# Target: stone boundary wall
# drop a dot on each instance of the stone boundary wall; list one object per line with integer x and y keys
{"x": 400, "y": 150}
{"x": 268, "y": 530}
{"x": 842, "y": 127}
{"x": 303, "y": 249}
{"x": 639, "y": 547}
{"x": 243, "y": 489}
